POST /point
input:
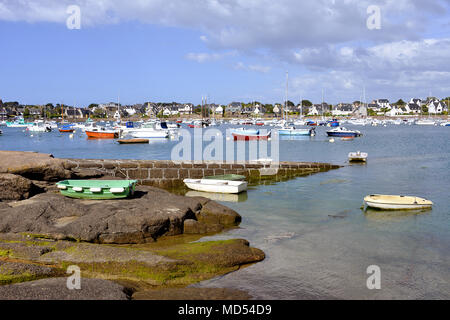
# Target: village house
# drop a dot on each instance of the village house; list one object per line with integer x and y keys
{"x": 234, "y": 108}
{"x": 342, "y": 109}
{"x": 436, "y": 107}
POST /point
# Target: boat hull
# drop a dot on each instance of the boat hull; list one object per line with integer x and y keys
{"x": 294, "y": 132}
{"x": 150, "y": 134}
{"x": 216, "y": 186}
{"x": 390, "y": 202}
{"x": 105, "y": 189}
{"x": 132, "y": 141}
{"x": 342, "y": 134}
{"x": 250, "y": 137}
{"x": 102, "y": 135}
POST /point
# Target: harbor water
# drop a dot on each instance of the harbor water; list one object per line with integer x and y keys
{"x": 317, "y": 239}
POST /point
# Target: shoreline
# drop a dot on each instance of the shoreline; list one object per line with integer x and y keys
{"x": 140, "y": 244}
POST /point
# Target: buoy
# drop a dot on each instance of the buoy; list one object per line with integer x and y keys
{"x": 71, "y": 136}
{"x": 228, "y": 138}
{"x": 31, "y": 135}
{"x": 331, "y": 140}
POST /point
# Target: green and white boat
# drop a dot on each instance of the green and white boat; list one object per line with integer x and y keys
{"x": 230, "y": 177}
{"x": 97, "y": 189}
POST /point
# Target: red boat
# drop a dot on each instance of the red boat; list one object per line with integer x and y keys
{"x": 250, "y": 137}
{"x": 179, "y": 121}
{"x": 102, "y": 134}
{"x": 65, "y": 130}
{"x": 259, "y": 123}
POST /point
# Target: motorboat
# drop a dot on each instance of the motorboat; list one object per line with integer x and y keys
{"x": 425, "y": 122}
{"x": 39, "y": 126}
{"x": 20, "y": 123}
{"x": 216, "y": 186}
{"x": 396, "y": 202}
{"x": 244, "y": 131}
{"x": 343, "y": 132}
{"x": 445, "y": 124}
{"x": 357, "y": 156}
{"x": 150, "y": 130}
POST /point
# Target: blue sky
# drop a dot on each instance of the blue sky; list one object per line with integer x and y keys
{"x": 231, "y": 50}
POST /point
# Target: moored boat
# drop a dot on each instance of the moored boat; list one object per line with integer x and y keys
{"x": 102, "y": 133}
{"x": 229, "y": 177}
{"x": 97, "y": 189}
{"x": 357, "y": 156}
{"x": 250, "y": 137}
{"x": 396, "y": 202}
{"x": 425, "y": 122}
{"x": 217, "y": 186}
{"x": 343, "y": 132}
{"x": 67, "y": 129}
{"x": 132, "y": 141}
{"x": 292, "y": 131}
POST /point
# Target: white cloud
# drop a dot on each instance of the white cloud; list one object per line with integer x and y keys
{"x": 254, "y": 67}
{"x": 204, "y": 57}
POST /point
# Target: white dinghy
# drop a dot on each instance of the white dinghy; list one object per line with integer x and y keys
{"x": 393, "y": 202}
{"x": 357, "y": 156}
{"x": 218, "y": 186}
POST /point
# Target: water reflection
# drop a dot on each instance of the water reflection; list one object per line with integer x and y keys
{"x": 393, "y": 215}
{"x": 240, "y": 197}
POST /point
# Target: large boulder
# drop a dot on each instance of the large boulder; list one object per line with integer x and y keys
{"x": 34, "y": 166}
{"x": 14, "y": 187}
{"x": 150, "y": 214}
{"x": 56, "y": 289}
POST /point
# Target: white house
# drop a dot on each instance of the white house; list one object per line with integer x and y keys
{"x": 383, "y": 103}
{"x": 130, "y": 111}
{"x": 313, "y": 111}
{"x": 416, "y": 101}
{"x": 436, "y": 107}
{"x": 218, "y": 110}
{"x": 276, "y": 109}
{"x": 342, "y": 109}
{"x": 187, "y": 108}
{"x": 395, "y": 111}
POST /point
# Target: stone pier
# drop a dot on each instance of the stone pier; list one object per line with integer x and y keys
{"x": 170, "y": 174}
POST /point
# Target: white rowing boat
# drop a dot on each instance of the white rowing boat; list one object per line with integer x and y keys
{"x": 357, "y": 156}
{"x": 218, "y": 186}
{"x": 394, "y": 202}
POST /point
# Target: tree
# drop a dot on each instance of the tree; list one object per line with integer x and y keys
{"x": 424, "y": 109}
{"x": 26, "y": 113}
{"x": 290, "y": 103}
{"x": 269, "y": 108}
{"x": 92, "y": 105}
{"x": 306, "y": 103}
{"x": 400, "y": 102}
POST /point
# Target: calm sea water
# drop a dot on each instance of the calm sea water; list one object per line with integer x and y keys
{"x": 318, "y": 242}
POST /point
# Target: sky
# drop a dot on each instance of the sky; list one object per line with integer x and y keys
{"x": 226, "y": 50}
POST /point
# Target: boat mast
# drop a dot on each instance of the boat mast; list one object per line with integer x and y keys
{"x": 286, "y": 100}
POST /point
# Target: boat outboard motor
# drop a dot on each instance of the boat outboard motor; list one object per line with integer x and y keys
{"x": 164, "y": 125}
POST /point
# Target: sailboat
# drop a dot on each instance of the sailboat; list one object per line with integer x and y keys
{"x": 292, "y": 131}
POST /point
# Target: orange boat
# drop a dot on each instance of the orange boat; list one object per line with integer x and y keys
{"x": 102, "y": 134}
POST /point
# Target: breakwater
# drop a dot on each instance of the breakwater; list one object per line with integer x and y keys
{"x": 170, "y": 174}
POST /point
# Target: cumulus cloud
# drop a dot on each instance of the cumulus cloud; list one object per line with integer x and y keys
{"x": 328, "y": 38}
